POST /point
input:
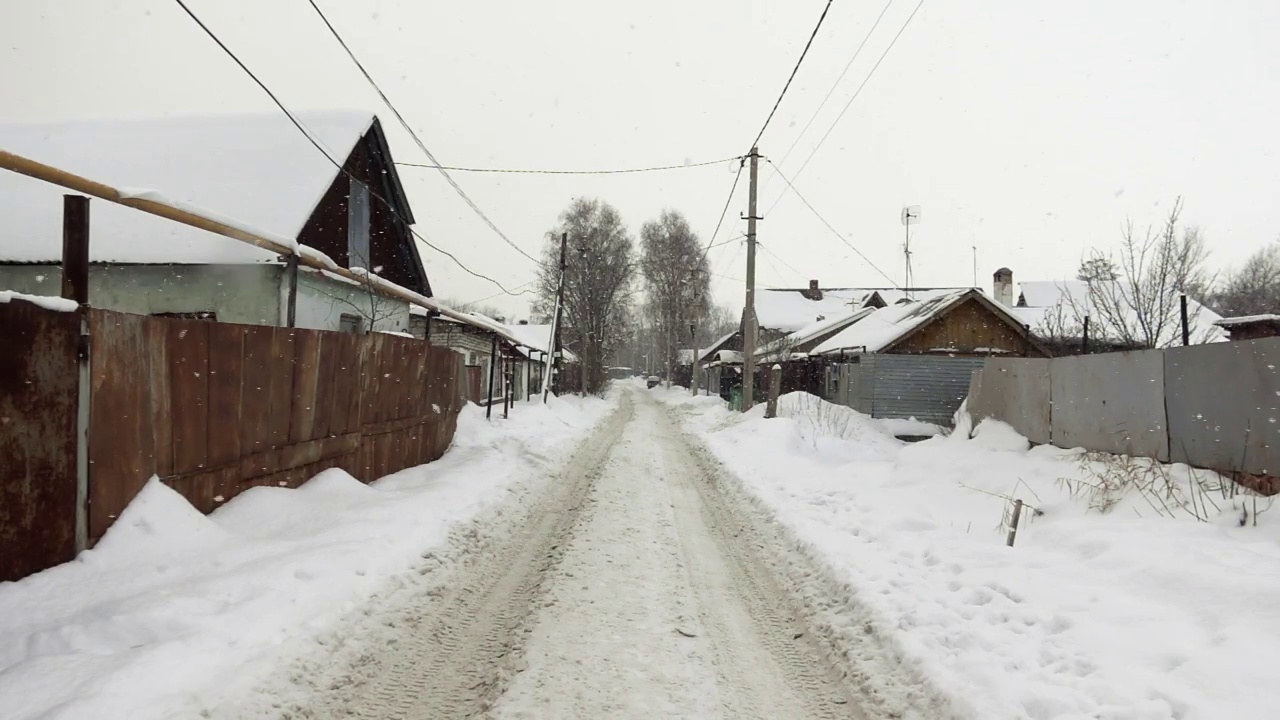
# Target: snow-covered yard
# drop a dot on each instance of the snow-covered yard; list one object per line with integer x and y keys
{"x": 1141, "y": 611}
{"x": 173, "y": 610}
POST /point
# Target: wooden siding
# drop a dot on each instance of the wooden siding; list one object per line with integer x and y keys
{"x": 965, "y": 328}
{"x": 390, "y": 242}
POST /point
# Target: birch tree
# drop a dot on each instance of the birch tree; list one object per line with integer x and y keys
{"x": 598, "y": 283}
{"x": 677, "y": 282}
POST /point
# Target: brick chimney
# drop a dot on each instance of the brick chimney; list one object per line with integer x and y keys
{"x": 1002, "y": 287}
{"x": 813, "y": 293}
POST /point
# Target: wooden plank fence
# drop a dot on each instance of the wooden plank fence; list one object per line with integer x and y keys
{"x": 210, "y": 408}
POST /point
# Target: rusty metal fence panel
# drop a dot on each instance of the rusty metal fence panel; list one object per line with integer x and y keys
{"x": 39, "y": 391}
{"x": 213, "y": 409}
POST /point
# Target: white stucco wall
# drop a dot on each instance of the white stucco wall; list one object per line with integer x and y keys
{"x": 323, "y": 300}
{"x": 247, "y": 294}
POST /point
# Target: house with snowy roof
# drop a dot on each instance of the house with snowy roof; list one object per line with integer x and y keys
{"x": 1056, "y": 311}
{"x": 257, "y": 171}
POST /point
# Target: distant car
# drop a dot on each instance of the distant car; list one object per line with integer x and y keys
{"x": 652, "y": 381}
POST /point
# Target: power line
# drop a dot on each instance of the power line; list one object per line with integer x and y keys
{"x": 780, "y": 259}
{"x": 794, "y": 70}
{"x": 832, "y": 228}
{"x": 836, "y": 84}
{"x": 403, "y": 123}
{"x": 725, "y": 210}
{"x": 522, "y": 171}
{"x": 847, "y": 105}
{"x": 308, "y": 135}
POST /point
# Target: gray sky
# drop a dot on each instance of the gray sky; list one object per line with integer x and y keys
{"x": 1032, "y": 129}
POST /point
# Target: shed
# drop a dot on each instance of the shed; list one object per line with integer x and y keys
{"x": 1251, "y": 327}
{"x": 914, "y": 359}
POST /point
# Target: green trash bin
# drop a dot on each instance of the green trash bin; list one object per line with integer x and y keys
{"x": 735, "y": 399}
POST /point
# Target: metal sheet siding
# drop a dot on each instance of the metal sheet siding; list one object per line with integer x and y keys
{"x": 923, "y": 387}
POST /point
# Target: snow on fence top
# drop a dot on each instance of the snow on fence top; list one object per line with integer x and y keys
{"x": 255, "y": 168}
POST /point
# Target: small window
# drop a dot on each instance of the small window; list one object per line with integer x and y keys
{"x": 358, "y": 226}
{"x": 197, "y": 315}
{"x": 349, "y": 323}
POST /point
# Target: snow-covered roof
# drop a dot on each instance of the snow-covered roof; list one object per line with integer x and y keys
{"x": 538, "y": 337}
{"x": 705, "y": 353}
{"x": 1247, "y": 320}
{"x": 781, "y": 348}
{"x": 884, "y": 326}
{"x": 1044, "y": 297}
{"x": 257, "y": 169}
{"x": 789, "y": 310}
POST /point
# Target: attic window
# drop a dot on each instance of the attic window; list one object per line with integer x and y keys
{"x": 358, "y": 226}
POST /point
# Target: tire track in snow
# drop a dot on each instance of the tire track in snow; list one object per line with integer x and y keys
{"x": 447, "y": 650}
{"x": 662, "y": 606}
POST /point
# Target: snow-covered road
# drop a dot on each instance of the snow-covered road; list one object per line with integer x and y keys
{"x": 631, "y": 587}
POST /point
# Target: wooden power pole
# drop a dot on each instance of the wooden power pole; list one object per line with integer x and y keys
{"x": 552, "y": 379}
{"x": 749, "y": 328}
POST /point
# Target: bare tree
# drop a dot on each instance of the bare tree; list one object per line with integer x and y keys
{"x": 1097, "y": 269}
{"x": 1254, "y": 289}
{"x": 481, "y": 308}
{"x": 1141, "y": 308}
{"x": 677, "y": 282}
{"x": 364, "y": 299}
{"x": 600, "y": 270}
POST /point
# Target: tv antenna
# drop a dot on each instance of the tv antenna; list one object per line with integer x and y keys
{"x": 910, "y": 216}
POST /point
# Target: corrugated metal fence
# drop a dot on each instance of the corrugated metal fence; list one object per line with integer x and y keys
{"x": 212, "y": 409}
{"x": 923, "y": 387}
{"x": 1213, "y": 406}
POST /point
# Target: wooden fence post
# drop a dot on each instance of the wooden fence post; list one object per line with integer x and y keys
{"x": 507, "y": 389}
{"x": 775, "y": 383}
{"x": 1013, "y": 527}
{"x": 493, "y": 362}
{"x": 75, "y": 286}
{"x": 291, "y": 267}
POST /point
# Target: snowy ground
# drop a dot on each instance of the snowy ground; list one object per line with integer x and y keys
{"x": 175, "y": 614}
{"x": 628, "y": 588}
{"x": 1161, "y": 607}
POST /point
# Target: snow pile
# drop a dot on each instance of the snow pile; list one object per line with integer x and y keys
{"x": 48, "y": 302}
{"x": 1132, "y": 590}
{"x": 174, "y": 610}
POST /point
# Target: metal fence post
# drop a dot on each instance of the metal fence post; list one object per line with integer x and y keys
{"x": 75, "y": 286}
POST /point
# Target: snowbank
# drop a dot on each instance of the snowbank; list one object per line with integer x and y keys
{"x": 1132, "y": 590}
{"x": 173, "y": 609}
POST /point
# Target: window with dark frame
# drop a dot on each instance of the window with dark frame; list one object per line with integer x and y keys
{"x": 349, "y": 323}
{"x": 196, "y": 315}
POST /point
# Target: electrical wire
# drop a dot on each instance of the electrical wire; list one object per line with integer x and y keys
{"x": 403, "y": 123}
{"x": 836, "y": 84}
{"x": 308, "y": 135}
{"x": 520, "y": 171}
{"x": 733, "y": 188}
{"x": 794, "y": 70}
{"x": 847, "y": 105}
{"x": 780, "y": 259}
{"x": 832, "y": 228}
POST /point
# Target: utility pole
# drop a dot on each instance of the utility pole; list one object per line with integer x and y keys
{"x": 749, "y": 328}
{"x": 553, "y": 362}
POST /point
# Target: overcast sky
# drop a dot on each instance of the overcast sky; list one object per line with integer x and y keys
{"x": 1031, "y": 129}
